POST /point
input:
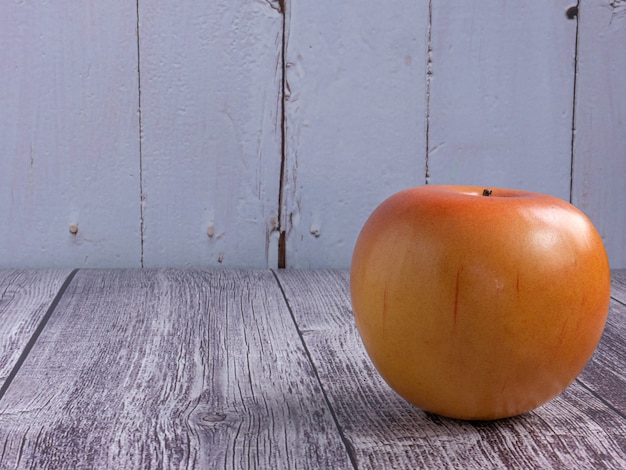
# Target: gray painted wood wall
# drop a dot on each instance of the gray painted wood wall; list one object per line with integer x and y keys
{"x": 256, "y": 132}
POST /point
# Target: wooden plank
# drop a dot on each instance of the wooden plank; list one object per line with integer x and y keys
{"x": 169, "y": 369}
{"x": 605, "y": 374}
{"x": 69, "y": 135}
{"x": 501, "y": 94}
{"x": 25, "y": 297}
{"x": 355, "y": 117}
{"x": 575, "y": 430}
{"x": 599, "y": 165}
{"x": 211, "y": 75}
{"x": 618, "y": 285}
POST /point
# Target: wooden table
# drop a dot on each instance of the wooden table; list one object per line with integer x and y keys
{"x": 166, "y": 368}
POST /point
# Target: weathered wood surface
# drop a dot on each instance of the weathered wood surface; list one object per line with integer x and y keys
{"x": 25, "y": 297}
{"x": 211, "y": 77}
{"x": 188, "y": 133}
{"x": 355, "y": 119}
{"x": 576, "y": 430}
{"x": 69, "y": 134}
{"x": 605, "y": 375}
{"x": 168, "y": 369}
{"x": 501, "y": 94}
{"x": 618, "y": 285}
{"x": 599, "y": 151}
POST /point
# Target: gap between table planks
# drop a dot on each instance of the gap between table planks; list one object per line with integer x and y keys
{"x": 204, "y": 369}
{"x": 25, "y": 298}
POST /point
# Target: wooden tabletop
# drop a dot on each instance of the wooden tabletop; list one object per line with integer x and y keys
{"x": 169, "y": 368}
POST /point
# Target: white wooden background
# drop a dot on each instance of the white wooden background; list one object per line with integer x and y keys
{"x": 263, "y": 132}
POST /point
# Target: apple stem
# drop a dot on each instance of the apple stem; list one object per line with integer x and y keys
{"x": 487, "y": 192}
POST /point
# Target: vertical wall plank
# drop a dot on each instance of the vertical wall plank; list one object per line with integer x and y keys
{"x": 599, "y": 176}
{"x": 210, "y": 106}
{"x": 355, "y": 119}
{"x": 69, "y": 134}
{"x": 501, "y": 94}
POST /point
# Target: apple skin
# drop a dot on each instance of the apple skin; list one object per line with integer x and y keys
{"x": 479, "y": 307}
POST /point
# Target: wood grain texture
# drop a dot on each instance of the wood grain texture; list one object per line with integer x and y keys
{"x": 605, "y": 375}
{"x": 501, "y": 95}
{"x": 25, "y": 297}
{"x": 69, "y": 136}
{"x": 355, "y": 112}
{"x": 599, "y": 165}
{"x": 211, "y": 76}
{"x": 168, "y": 369}
{"x": 618, "y": 285}
{"x": 574, "y": 431}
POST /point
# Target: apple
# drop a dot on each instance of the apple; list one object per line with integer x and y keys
{"x": 476, "y": 303}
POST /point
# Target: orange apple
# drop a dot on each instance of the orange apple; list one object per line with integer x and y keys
{"x": 479, "y": 304}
